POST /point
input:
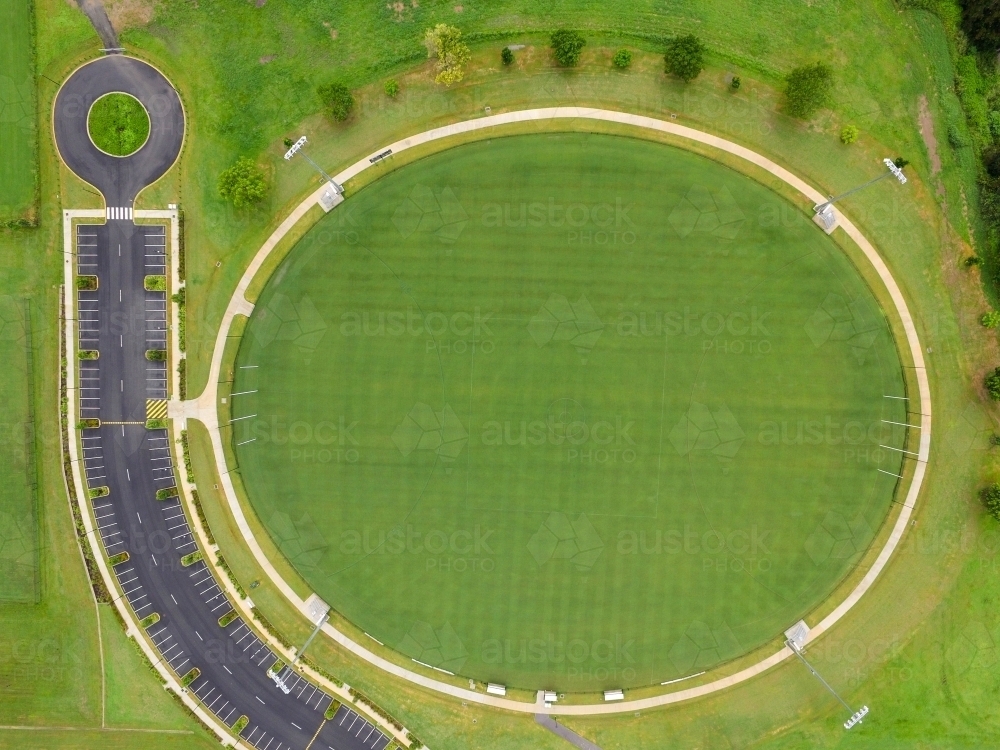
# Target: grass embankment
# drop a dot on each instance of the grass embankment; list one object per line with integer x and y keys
{"x": 118, "y": 124}
{"x": 18, "y": 136}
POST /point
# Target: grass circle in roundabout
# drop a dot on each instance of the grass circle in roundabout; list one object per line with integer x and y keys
{"x": 569, "y": 411}
{"x": 118, "y": 124}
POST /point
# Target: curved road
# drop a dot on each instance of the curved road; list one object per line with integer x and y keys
{"x": 122, "y": 321}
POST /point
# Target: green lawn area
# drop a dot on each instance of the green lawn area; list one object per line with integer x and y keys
{"x": 118, "y": 124}
{"x": 576, "y": 411}
{"x": 19, "y": 166}
{"x": 18, "y": 515}
{"x": 919, "y": 650}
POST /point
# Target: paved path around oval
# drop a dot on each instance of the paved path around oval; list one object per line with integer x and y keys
{"x": 204, "y": 407}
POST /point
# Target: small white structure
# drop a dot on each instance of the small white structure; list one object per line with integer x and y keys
{"x": 614, "y": 695}
{"x": 549, "y": 696}
{"x": 316, "y": 609}
{"x": 494, "y": 689}
{"x": 329, "y": 199}
{"x": 797, "y": 635}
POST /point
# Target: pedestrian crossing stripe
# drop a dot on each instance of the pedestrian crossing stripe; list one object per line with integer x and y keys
{"x": 118, "y": 213}
{"x": 156, "y": 408}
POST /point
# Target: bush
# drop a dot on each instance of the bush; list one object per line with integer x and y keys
{"x": 849, "y": 134}
{"x": 973, "y": 260}
{"x": 991, "y": 499}
{"x": 88, "y": 354}
{"x": 155, "y": 283}
{"x": 808, "y": 89}
{"x": 992, "y": 383}
{"x": 243, "y": 184}
{"x": 735, "y": 83}
{"x": 331, "y": 710}
{"x": 277, "y": 667}
{"x": 156, "y": 424}
{"x": 288, "y": 142}
{"x": 337, "y": 100}
{"x": 121, "y": 557}
{"x": 86, "y": 283}
{"x": 622, "y": 59}
{"x": 506, "y": 56}
{"x": 86, "y": 424}
{"x": 991, "y": 160}
{"x": 240, "y": 725}
{"x": 956, "y": 138}
{"x": 990, "y": 319}
{"x": 166, "y": 493}
{"x": 190, "y": 559}
{"x": 96, "y": 492}
{"x": 981, "y": 22}
{"x": 567, "y": 46}
{"x": 147, "y": 622}
{"x": 190, "y": 677}
{"x": 685, "y": 57}
{"x": 445, "y": 43}
{"x": 391, "y": 88}
{"x": 156, "y": 355}
{"x": 227, "y": 618}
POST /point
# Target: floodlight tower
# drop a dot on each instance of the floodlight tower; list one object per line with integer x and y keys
{"x": 856, "y": 716}
{"x": 297, "y": 149}
{"x": 824, "y": 211}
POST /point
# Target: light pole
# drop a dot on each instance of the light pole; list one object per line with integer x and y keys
{"x": 824, "y": 211}
{"x": 297, "y": 148}
{"x": 856, "y": 716}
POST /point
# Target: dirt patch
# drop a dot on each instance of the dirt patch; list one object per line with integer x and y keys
{"x": 266, "y": 59}
{"x": 130, "y": 14}
{"x": 333, "y": 32}
{"x": 927, "y": 133}
{"x": 401, "y": 11}
{"x": 459, "y": 8}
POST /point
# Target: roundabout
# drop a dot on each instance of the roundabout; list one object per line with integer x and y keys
{"x": 573, "y": 549}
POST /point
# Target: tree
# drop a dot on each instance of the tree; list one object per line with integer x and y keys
{"x": 243, "y": 183}
{"x": 808, "y": 89}
{"x": 735, "y": 83}
{"x": 685, "y": 57}
{"x": 993, "y": 384}
{"x": 391, "y": 88}
{"x": 981, "y": 23}
{"x": 506, "y": 56}
{"x": 337, "y": 100}
{"x": 567, "y": 46}
{"x": 288, "y": 142}
{"x": 622, "y": 59}
{"x": 445, "y": 43}
{"x": 991, "y": 499}
{"x": 849, "y": 134}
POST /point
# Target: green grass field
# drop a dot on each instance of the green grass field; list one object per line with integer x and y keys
{"x": 118, "y": 124}
{"x": 569, "y": 410}
{"x": 19, "y": 166}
